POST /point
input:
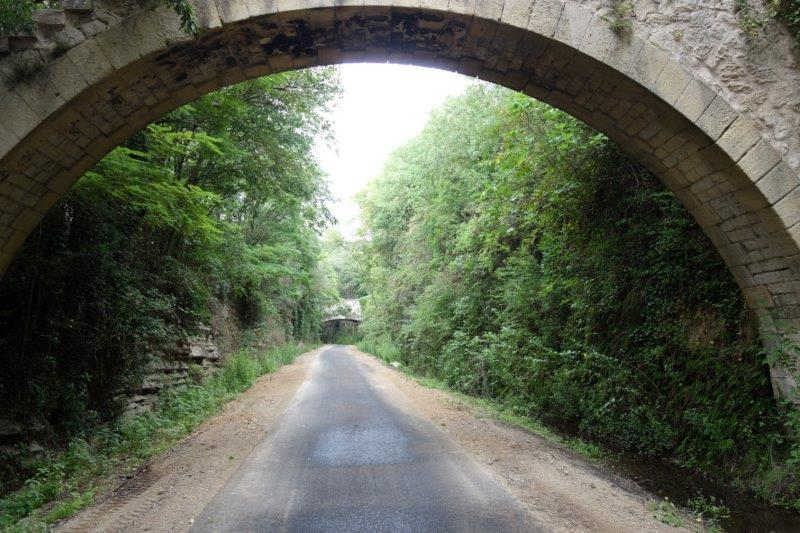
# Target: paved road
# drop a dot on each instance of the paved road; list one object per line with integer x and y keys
{"x": 345, "y": 457}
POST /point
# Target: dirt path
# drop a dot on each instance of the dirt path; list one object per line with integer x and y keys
{"x": 557, "y": 489}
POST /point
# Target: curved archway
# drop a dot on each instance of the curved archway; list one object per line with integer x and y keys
{"x": 83, "y": 102}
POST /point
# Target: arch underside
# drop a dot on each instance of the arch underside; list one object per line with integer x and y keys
{"x": 727, "y": 177}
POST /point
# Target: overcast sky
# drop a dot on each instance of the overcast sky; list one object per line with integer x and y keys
{"x": 382, "y": 107}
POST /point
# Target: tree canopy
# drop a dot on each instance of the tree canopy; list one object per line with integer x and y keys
{"x": 219, "y": 203}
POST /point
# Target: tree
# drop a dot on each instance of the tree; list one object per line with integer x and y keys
{"x": 517, "y": 254}
{"x": 220, "y": 202}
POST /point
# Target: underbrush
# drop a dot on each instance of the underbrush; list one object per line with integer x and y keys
{"x": 67, "y": 481}
{"x": 697, "y": 507}
{"x": 349, "y": 338}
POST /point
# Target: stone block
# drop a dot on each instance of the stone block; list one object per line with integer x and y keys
{"x": 740, "y": 136}
{"x": 7, "y": 140}
{"x": 17, "y": 115}
{"x": 93, "y": 27}
{"x": 231, "y": 11}
{"x": 672, "y": 82}
{"x": 648, "y": 66}
{"x": 788, "y": 208}
{"x": 716, "y": 118}
{"x": 26, "y": 221}
{"x": 433, "y": 4}
{"x": 50, "y": 18}
{"x": 694, "y": 100}
{"x": 489, "y": 9}
{"x": 517, "y": 13}
{"x": 206, "y": 14}
{"x": 544, "y": 17}
{"x": 407, "y": 4}
{"x": 463, "y": 7}
{"x": 46, "y": 201}
{"x": 599, "y": 41}
{"x": 777, "y": 183}
{"x": 769, "y": 265}
{"x": 67, "y": 38}
{"x": 65, "y": 78}
{"x": 775, "y": 276}
{"x": 573, "y": 24}
{"x": 624, "y": 53}
{"x": 759, "y": 160}
{"x": 119, "y": 44}
{"x": 78, "y": 6}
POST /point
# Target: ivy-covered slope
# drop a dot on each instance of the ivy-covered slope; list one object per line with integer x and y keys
{"x": 519, "y": 255}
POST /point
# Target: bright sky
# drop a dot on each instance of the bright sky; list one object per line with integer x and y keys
{"x": 382, "y": 107}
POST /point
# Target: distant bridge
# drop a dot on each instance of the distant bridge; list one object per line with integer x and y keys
{"x": 342, "y": 318}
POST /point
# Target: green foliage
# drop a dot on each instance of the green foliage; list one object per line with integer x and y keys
{"x": 517, "y": 255}
{"x": 709, "y": 509}
{"x": 787, "y": 11}
{"x": 15, "y": 16}
{"x": 219, "y": 203}
{"x": 753, "y": 21}
{"x": 186, "y": 13}
{"x": 350, "y": 338}
{"x": 71, "y": 476}
{"x": 619, "y": 18}
{"x": 666, "y": 512}
{"x": 342, "y": 259}
{"x": 750, "y": 21}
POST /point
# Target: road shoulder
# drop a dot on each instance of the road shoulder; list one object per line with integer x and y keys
{"x": 554, "y": 485}
{"x": 170, "y": 490}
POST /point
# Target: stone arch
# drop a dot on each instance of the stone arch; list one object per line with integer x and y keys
{"x": 123, "y": 72}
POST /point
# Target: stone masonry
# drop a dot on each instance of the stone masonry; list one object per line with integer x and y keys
{"x": 715, "y": 116}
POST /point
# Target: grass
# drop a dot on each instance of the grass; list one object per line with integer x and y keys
{"x": 67, "y": 481}
{"x": 390, "y": 353}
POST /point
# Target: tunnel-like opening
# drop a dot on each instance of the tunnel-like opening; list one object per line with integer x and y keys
{"x": 87, "y": 100}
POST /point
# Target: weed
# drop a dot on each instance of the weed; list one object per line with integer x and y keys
{"x": 23, "y": 70}
{"x": 750, "y": 22}
{"x": 709, "y": 510}
{"x": 666, "y": 512}
{"x": 619, "y": 18}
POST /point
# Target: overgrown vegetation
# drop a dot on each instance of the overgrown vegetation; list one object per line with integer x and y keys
{"x": 16, "y": 16}
{"x": 789, "y": 12}
{"x": 753, "y": 20}
{"x": 72, "y": 477}
{"x": 218, "y": 204}
{"x": 517, "y": 255}
{"x": 619, "y": 17}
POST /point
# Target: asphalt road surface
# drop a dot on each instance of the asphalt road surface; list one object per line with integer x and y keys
{"x": 347, "y": 457}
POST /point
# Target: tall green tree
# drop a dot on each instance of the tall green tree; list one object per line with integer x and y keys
{"x": 221, "y": 202}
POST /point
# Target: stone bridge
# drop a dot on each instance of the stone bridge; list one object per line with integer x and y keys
{"x": 714, "y": 114}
